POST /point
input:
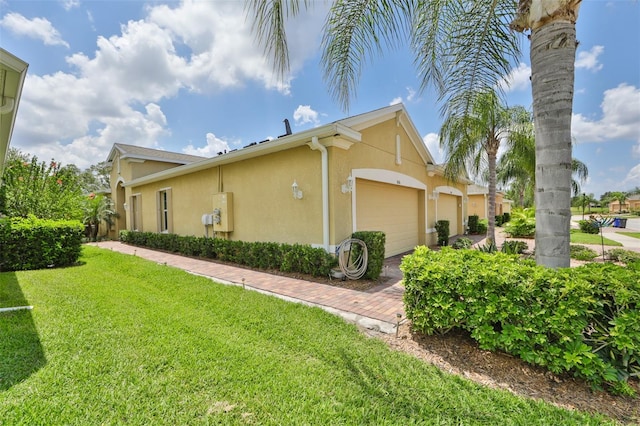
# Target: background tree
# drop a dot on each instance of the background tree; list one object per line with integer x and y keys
{"x": 461, "y": 47}
{"x": 98, "y": 209}
{"x": 620, "y": 197}
{"x": 45, "y": 190}
{"x": 471, "y": 142}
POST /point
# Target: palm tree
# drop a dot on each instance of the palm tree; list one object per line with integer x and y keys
{"x": 462, "y": 47}
{"x": 98, "y": 209}
{"x": 472, "y": 141}
{"x": 620, "y": 197}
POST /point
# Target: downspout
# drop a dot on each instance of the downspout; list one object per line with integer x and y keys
{"x": 315, "y": 145}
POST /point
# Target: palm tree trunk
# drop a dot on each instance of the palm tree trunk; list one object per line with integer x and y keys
{"x": 553, "y": 47}
{"x": 491, "y": 228}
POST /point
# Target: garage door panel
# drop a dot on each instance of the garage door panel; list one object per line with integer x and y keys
{"x": 390, "y": 209}
{"x": 448, "y": 210}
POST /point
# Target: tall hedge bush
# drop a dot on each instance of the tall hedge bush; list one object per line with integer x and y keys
{"x": 374, "y": 240}
{"x": 584, "y": 321}
{"x": 32, "y": 243}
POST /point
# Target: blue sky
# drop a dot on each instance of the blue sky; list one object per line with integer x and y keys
{"x": 186, "y": 76}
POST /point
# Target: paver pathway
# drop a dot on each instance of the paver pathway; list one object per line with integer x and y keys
{"x": 375, "y": 308}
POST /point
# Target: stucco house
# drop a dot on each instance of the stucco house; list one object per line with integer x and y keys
{"x": 632, "y": 203}
{"x": 479, "y": 202}
{"x": 367, "y": 172}
{"x": 13, "y": 71}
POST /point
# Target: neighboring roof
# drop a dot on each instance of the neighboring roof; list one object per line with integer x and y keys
{"x": 142, "y": 153}
{"x": 348, "y": 128}
{"x": 477, "y": 190}
{"x": 13, "y": 71}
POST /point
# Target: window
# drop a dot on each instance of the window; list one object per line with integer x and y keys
{"x": 136, "y": 212}
{"x": 164, "y": 210}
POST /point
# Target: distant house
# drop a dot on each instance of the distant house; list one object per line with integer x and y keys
{"x": 12, "y": 74}
{"x": 632, "y": 203}
{"x": 367, "y": 172}
{"x": 479, "y": 203}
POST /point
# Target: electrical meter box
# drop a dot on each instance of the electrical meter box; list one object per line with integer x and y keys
{"x": 223, "y": 212}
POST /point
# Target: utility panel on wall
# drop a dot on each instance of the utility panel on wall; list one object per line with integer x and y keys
{"x": 223, "y": 212}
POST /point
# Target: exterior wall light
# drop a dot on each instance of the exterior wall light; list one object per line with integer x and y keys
{"x": 348, "y": 186}
{"x": 297, "y": 193}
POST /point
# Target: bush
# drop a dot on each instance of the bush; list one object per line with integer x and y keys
{"x": 265, "y": 255}
{"x": 498, "y": 220}
{"x": 482, "y": 227}
{"x": 473, "y": 224}
{"x": 514, "y": 247}
{"x": 442, "y": 228}
{"x": 522, "y": 224}
{"x": 579, "y": 252}
{"x": 589, "y": 226}
{"x": 462, "y": 243}
{"x": 374, "y": 240}
{"x": 506, "y": 218}
{"x": 584, "y": 321}
{"x": 624, "y": 256}
{"x": 33, "y": 243}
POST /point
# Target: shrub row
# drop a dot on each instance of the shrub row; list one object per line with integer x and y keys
{"x": 284, "y": 257}
{"x": 32, "y": 243}
{"x": 589, "y": 226}
{"x": 585, "y": 320}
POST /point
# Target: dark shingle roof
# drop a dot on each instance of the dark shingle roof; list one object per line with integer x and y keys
{"x": 140, "y": 152}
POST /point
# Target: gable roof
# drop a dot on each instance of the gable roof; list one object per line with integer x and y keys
{"x": 142, "y": 153}
{"x": 348, "y": 128}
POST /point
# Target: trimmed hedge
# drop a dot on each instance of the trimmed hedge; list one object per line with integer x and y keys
{"x": 584, "y": 321}
{"x": 374, "y": 240}
{"x": 264, "y": 255}
{"x": 589, "y": 226}
{"x": 473, "y": 224}
{"x": 34, "y": 243}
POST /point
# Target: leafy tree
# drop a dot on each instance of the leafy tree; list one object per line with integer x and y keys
{"x": 98, "y": 209}
{"x": 462, "y": 48}
{"x": 45, "y": 190}
{"x": 96, "y": 178}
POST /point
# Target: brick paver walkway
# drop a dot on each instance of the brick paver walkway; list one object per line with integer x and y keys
{"x": 376, "y": 308}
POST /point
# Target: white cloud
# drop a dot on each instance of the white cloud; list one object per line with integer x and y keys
{"x": 396, "y": 101}
{"x": 70, "y": 4}
{"x": 620, "y": 118}
{"x": 632, "y": 179}
{"x": 36, "y": 28}
{"x": 213, "y": 147}
{"x": 432, "y": 141}
{"x": 304, "y": 115}
{"x": 589, "y": 59}
{"x": 195, "y": 46}
{"x": 411, "y": 96}
{"x": 518, "y": 79}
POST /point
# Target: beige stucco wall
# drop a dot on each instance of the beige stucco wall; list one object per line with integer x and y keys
{"x": 477, "y": 205}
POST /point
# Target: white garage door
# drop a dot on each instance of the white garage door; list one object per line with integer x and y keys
{"x": 448, "y": 210}
{"x": 390, "y": 209}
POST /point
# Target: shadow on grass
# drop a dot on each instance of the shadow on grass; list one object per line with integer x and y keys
{"x": 20, "y": 349}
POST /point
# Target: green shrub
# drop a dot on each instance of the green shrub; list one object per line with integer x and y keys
{"x": 498, "y": 220}
{"x": 442, "y": 228}
{"x": 473, "y": 224}
{"x": 589, "y": 226}
{"x": 624, "y": 256}
{"x": 522, "y": 223}
{"x": 579, "y": 252}
{"x": 506, "y": 217}
{"x": 514, "y": 247}
{"x": 482, "y": 227}
{"x": 584, "y": 321}
{"x": 265, "y": 255}
{"x": 33, "y": 243}
{"x": 489, "y": 247}
{"x": 462, "y": 243}
{"x": 374, "y": 240}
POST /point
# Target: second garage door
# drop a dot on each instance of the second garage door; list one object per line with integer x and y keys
{"x": 448, "y": 210}
{"x": 391, "y": 209}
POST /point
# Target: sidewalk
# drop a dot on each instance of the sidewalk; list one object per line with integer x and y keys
{"x": 376, "y": 308}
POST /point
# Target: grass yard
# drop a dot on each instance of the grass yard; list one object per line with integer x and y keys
{"x": 630, "y": 234}
{"x": 578, "y": 237}
{"x": 120, "y": 340}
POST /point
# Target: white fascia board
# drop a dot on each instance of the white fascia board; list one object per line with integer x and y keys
{"x": 276, "y": 145}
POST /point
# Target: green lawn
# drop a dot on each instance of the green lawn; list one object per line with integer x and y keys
{"x": 578, "y": 237}
{"x": 630, "y": 234}
{"x": 120, "y": 340}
